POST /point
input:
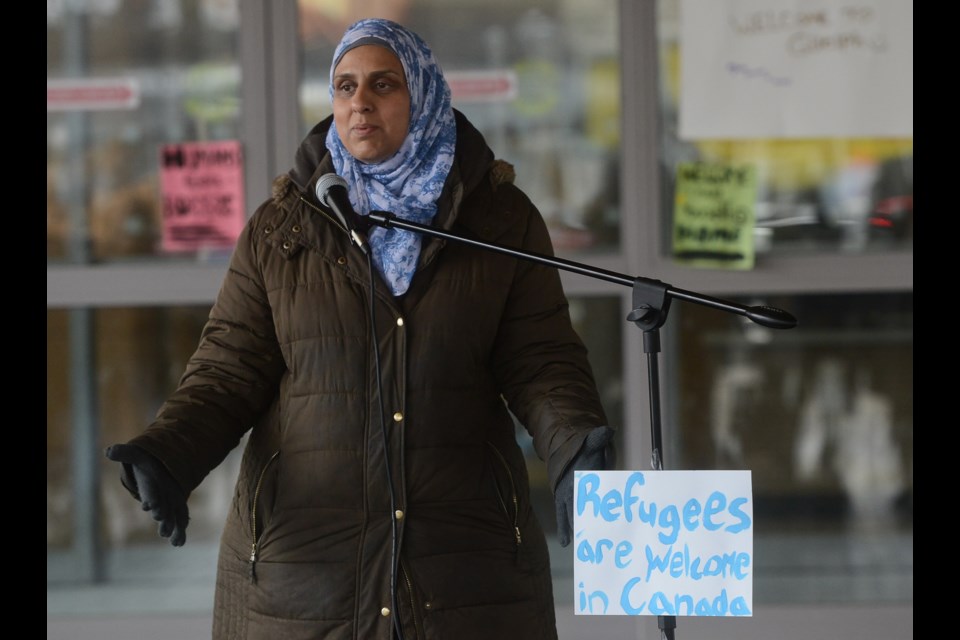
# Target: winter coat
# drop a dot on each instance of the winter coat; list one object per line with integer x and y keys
{"x": 480, "y": 338}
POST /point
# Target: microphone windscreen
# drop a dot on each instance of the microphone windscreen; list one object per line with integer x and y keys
{"x": 324, "y": 184}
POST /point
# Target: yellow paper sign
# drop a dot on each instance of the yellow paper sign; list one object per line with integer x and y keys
{"x": 714, "y": 215}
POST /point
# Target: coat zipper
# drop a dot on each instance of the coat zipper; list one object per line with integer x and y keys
{"x": 513, "y": 496}
{"x": 253, "y": 517}
{"x": 413, "y": 604}
{"x": 321, "y": 212}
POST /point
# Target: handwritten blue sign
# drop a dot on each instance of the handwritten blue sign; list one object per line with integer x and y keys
{"x": 663, "y": 543}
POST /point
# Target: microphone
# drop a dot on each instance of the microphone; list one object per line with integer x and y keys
{"x": 332, "y": 193}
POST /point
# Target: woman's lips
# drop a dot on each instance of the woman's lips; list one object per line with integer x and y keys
{"x": 364, "y": 130}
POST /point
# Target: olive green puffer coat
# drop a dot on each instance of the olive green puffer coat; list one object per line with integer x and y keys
{"x": 287, "y": 354}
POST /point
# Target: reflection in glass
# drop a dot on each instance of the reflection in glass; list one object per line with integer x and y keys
{"x": 822, "y": 415}
{"x": 179, "y": 61}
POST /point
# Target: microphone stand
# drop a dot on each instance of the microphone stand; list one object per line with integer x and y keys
{"x": 651, "y": 303}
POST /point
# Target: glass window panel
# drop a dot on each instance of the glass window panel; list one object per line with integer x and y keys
{"x": 140, "y": 354}
{"x": 559, "y": 120}
{"x": 177, "y": 60}
{"x": 822, "y": 415}
{"x": 59, "y": 410}
{"x": 815, "y": 195}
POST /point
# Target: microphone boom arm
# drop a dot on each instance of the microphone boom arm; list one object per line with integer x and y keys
{"x": 763, "y": 315}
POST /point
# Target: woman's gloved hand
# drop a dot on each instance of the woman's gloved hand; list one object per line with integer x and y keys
{"x": 596, "y": 454}
{"x": 149, "y": 481}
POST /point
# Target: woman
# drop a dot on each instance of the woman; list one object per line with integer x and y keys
{"x": 382, "y": 493}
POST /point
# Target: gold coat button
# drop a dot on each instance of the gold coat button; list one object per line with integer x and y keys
{"x": 399, "y": 322}
{"x": 399, "y": 514}
{"x": 428, "y": 605}
{"x": 341, "y": 260}
{"x": 397, "y": 417}
{"x": 385, "y": 612}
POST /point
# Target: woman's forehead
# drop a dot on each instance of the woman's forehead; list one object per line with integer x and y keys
{"x": 369, "y": 55}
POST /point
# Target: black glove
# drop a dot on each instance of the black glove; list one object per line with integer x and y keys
{"x": 596, "y": 454}
{"x": 150, "y": 483}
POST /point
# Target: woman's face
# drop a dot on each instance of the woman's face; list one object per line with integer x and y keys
{"x": 371, "y": 103}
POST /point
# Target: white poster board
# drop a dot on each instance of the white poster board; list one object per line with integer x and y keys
{"x": 795, "y": 68}
{"x": 673, "y": 543}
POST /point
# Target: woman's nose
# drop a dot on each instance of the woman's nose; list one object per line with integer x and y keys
{"x": 359, "y": 102}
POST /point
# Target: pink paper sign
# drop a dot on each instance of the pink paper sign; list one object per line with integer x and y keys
{"x": 202, "y": 189}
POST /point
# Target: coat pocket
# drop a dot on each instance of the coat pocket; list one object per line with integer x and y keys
{"x": 506, "y": 488}
{"x": 261, "y": 506}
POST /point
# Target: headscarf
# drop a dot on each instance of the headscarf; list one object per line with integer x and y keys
{"x": 408, "y": 183}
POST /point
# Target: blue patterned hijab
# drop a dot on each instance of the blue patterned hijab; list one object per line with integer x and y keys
{"x": 408, "y": 183}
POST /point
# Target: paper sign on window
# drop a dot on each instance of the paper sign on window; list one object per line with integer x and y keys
{"x": 202, "y": 190}
{"x": 714, "y": 215}
{"x": 788, "y": 69}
